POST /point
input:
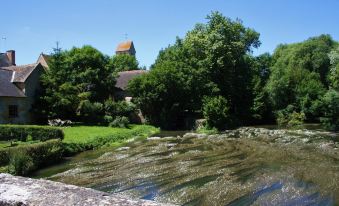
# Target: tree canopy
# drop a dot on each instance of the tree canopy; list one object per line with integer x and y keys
{"x": 124, "y": 62}
{"x": 212, "y": 59}
{"x": 299, "y": 75}
{"x": 210, "y": 73}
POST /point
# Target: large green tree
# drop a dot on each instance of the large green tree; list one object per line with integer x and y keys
{"x": 299, "y": 75}
{"x": 213, "y": 59}
{"x": 330, "y": 118}
{"x": 334, "y": 72}
{"x": 124, "y": 62}
{"x": 75, "y": 79}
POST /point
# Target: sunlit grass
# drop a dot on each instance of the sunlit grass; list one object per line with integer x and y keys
{"x": 84, "y": 134}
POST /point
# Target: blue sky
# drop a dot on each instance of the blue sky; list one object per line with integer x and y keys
{"x": 32, "y": 27}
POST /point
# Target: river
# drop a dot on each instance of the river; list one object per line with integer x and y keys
{"x": 247, "y": 166}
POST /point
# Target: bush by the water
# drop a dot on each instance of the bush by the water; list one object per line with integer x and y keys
{"x": 20, "y": 164}
{"x": 118, "y": 113}
{"x": 217, "y": 114}
{"x": 331, "y": 110}
{"x": 22, "y": 132}
{"x": 290, "y": 118}
{"x": 23, "y": 159}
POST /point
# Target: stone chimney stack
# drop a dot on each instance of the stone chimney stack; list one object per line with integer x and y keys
{"x": 11, "y": 56}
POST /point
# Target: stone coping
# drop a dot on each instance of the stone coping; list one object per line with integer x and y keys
{"x": 24, "y": 191}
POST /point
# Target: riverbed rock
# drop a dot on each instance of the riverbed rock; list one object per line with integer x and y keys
{"x": 25, "y": 191}
{"x": 153, "y": 138}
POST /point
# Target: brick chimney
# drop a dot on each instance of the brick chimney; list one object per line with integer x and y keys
{"x": 11, "y": 56}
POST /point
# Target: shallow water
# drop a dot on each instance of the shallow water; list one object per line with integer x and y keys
{"x": 249, "y": 166}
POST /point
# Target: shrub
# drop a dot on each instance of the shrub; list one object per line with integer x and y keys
{"x": 29, "y": 138}
{"x": 24, "y": 159}
{"x": 120, "y": 108}
{"x": 90, "y": 112}
{"x": 330, "y": 120}
{"x": 119, "y": 121}
{"x": 290, "y": 118}
{"x": 21, "y": 132}
{"x": 108, "y": 119}
{"x": 20, "y": 164}
{"x": 216, "y": 112}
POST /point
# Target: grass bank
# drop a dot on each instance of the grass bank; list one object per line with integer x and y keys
{"x": 82, "y": 138}
{"x": 20, "y": 156}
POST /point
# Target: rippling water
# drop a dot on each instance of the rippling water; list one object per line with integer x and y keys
{"x": 249, "y": 166}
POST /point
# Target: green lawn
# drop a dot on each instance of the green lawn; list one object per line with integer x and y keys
{"x": 83, "y": 134}
{"x": 80, "y": 138}
{"x": 77, "y": 139}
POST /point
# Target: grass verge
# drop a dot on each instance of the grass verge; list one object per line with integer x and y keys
{"x": 81, "y": 138}
{"x": 21, "y": 158}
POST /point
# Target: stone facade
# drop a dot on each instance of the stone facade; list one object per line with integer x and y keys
{"x": 18, "y": 93}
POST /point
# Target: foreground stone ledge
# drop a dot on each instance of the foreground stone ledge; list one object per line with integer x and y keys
{"x": 25, "y": 191}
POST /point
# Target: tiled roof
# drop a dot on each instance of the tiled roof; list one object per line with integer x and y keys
{"x": 7, "y": 88}
{"x": 43, "y": 60}
{"x": 4, "y": 61}
{"x": 124, "y": 46}
{"x": 21, "y": 73}
{"x": 125, "y": 77}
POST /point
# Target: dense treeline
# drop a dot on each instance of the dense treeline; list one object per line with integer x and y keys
{"x": 212, "y": 73}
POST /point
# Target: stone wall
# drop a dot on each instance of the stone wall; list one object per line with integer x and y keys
{"x": 23, "y": 104}
{"x": 30, "y": 88}
{"x": 25, "y": 191}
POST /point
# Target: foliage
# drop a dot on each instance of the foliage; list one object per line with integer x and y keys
{"x": 213, "y": 59}
{"x": 207, "y": 130}
{"x": 161, "y": 95}
{"x": 119, "y": 121}
{"x": 124, "y": 62}
{"x": 331, "y": 110}
{"x": 26, "y": 158}
{"x": 90, "y": 112}
{"x": 119, "y": 108}
{"x": 334, "y": 73}
{"x": 117, "y": 113}
{"x": 290, "y": 118}
{"x": 262, "y": 107}
{"x": 20, "y": 164}
{"x": 217, "y": 114}
{"x": 23, "y": 132}
{"x": 76, "y": 82}
{"x": 299, "y": 75}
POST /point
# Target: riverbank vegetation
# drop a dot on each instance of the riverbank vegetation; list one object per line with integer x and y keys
{"x": 211, "y": 73}
{"x": 33, "y": 150}
{"x": 80, "y": 86}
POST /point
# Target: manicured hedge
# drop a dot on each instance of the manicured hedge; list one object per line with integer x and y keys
{"x": 21, "y": 132}
{"x": 23, "y": 159}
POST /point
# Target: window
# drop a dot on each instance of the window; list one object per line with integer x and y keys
{"x": 13, "y": 111}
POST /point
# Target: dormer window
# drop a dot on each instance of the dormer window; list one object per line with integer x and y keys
{"x": 13, "y": 111}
